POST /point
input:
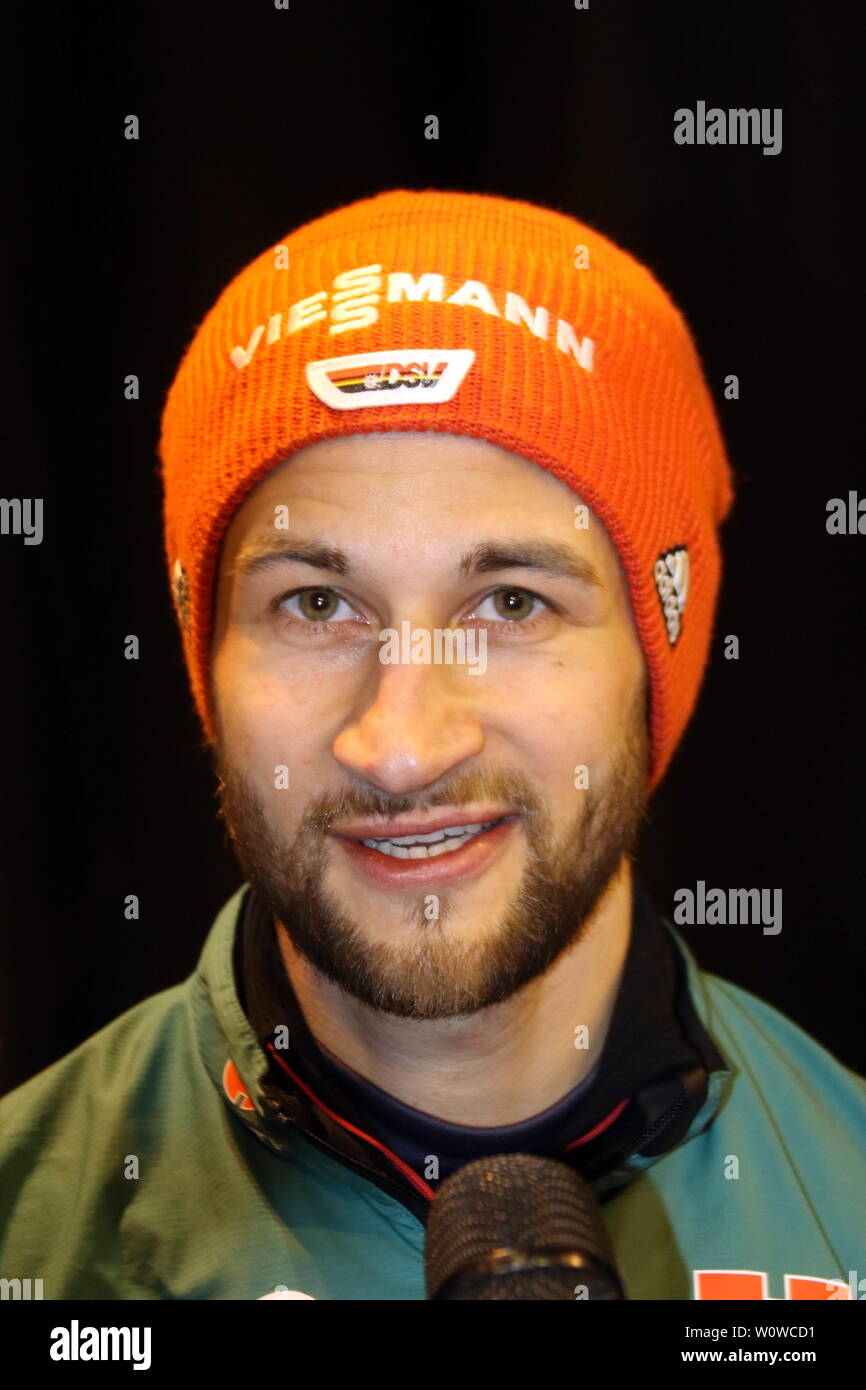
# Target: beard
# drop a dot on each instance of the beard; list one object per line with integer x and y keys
{"x": 437, "y": 975}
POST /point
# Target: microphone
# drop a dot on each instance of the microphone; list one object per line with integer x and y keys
{"x": 516, "y": 1226}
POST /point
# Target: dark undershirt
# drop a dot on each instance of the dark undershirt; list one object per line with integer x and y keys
{"x": 415, "y": 1136}
{"x": 644, "y": 1038}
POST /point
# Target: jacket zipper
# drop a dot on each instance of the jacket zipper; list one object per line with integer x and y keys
{"x": 417, "y": 1183}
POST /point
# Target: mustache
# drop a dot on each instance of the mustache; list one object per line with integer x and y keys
{"x": 368, "y": 803}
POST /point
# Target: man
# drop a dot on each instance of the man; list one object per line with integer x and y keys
{"x": 443, "y": 483}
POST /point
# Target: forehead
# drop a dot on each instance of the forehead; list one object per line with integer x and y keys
{"x": 406, "y": 454}
{"x": 417, "y": 489}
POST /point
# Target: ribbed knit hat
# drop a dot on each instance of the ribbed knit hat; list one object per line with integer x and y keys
{"x": 472, "y": 315}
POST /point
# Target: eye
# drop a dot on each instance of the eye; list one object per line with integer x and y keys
{"x": 314, "y": 606}
{"x": 511, "y": 606}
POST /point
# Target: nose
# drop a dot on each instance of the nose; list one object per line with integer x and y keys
{"x": 419, "y": 725}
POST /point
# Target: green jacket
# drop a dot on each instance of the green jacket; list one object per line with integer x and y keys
{"x": 141, "y": 1166}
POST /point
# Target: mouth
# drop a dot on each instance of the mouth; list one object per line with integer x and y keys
{"x": 445, "y": 841}
{"x": 443, "y": 854}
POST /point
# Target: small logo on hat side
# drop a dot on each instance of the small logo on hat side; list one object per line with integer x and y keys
{"x": 180, "y": 592}
{"x": 398, "y": 377}
{"x": 671, "y": 573}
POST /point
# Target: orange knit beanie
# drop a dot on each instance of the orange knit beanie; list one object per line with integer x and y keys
{"x": 472, "y": 315}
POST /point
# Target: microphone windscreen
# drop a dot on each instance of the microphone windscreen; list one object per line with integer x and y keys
{"x": 514, "y": 1203}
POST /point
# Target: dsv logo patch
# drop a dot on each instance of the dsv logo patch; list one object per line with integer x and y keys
{"x": 389, "y": 378}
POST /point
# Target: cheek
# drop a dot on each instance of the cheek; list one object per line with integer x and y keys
{"x": 268, "y": 726}
{"x": 573, "y": 716}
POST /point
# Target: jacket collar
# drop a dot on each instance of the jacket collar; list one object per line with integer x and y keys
{"x": 653, "y": 1092}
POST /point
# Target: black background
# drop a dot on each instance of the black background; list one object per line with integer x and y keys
{"x": 254, "y": 120}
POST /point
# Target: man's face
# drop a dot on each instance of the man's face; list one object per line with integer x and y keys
{"x": 321, "y": 743}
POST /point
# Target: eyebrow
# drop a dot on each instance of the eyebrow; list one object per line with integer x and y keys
{"x": 547, "y": 557}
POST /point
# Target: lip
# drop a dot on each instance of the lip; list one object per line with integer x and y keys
{"x": 385, "y": 829}
{"x": 464, "y": 863}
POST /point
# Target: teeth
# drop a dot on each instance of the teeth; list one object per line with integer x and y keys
{"x": 433, "y": 838}
{"x": 443, "y": 841}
